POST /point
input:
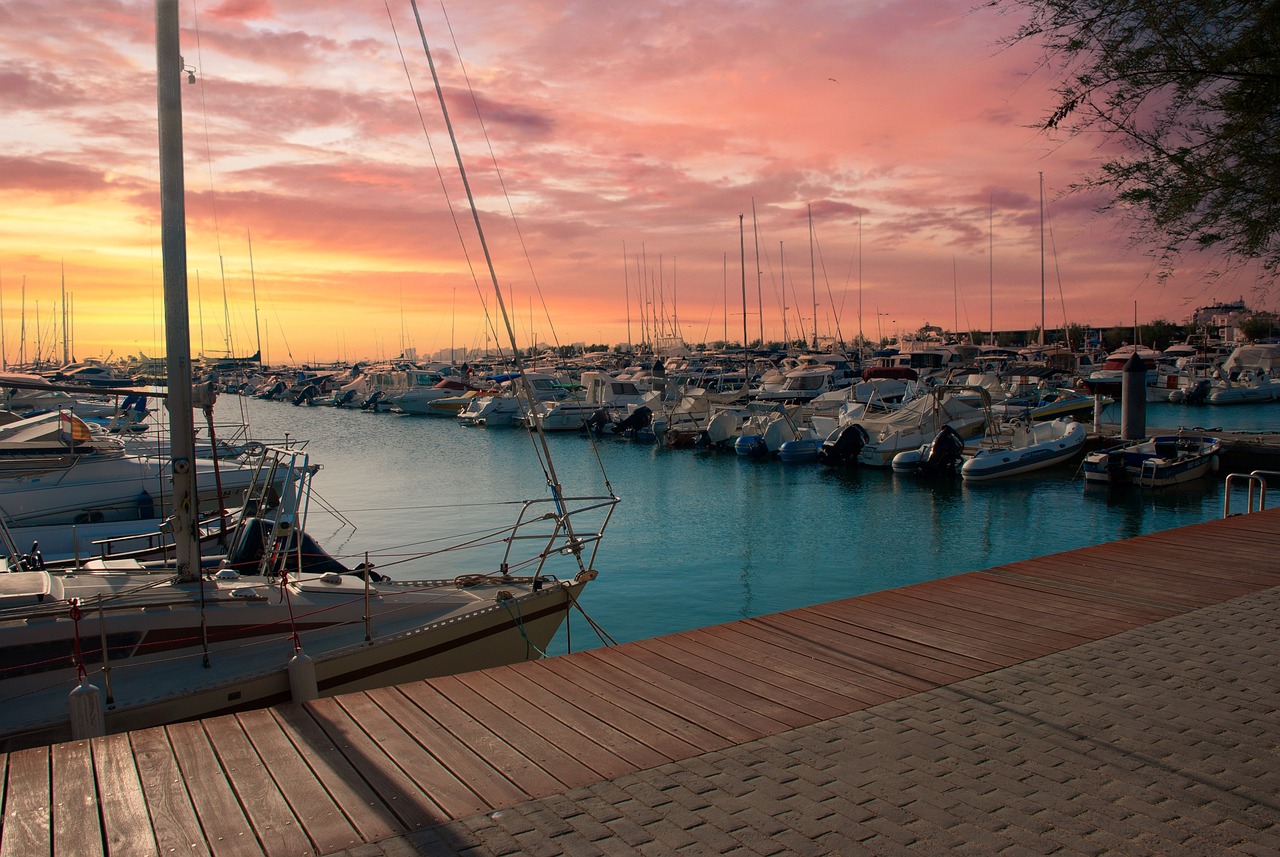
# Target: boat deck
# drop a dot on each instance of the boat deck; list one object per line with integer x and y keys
{"x": 1113, "y": 698}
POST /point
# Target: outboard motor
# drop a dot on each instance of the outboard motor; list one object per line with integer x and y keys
{"x": 945, "y": 453}
{"x": 307, "y": 396}
{"x": 843, "y": 447}
{"x": 345, "y": 399}
{"x": 597, "y": 421}
{"x": 1199, "y": 392}
{"x": 638, "y": 419}
{"x": 371, "y": 403}
{"x": 1116, "y": 469}
{"x": 277, "y": 389}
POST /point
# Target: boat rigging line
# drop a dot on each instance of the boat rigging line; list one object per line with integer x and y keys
{"x": 541, "y": 446}
{"x": 444, "y": 188}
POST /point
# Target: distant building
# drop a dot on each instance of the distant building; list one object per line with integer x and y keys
{"x": 1220, "y": 317}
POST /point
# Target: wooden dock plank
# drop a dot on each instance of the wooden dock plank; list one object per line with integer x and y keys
{"x": 446, "y": 790}
{"x": 273, "y": 822}
{"x": 526, "y": 732}
{"x": 372, "y": 819}
{"x": 854, "y": 680}
{"x": 908, "y": 637}
{"x": 758, "y": 645}
{"x": 27, "y": 831}
{"x": 1092, "y": 594}
{"x": 771, "y": 678}
{"x": 525, "y": 776}
{"x": 627, "y": 734}
{"x": 984, "y": 598}
{"x": 729, "y": 701}
{"x": 616, "y": 669}
{"x": 411, "y": 805}
{"x": 743, "y": 691}
{"x": 577, "y": 727}
{"x": 698, "y": 738}
{"x": 173, "y": 817}
{"x": 1028, "y": 634}
{"x": 1175, "y": 590}
{"x": 226, "y": 828}
{"x": 319, "y": 817}
{"x": 125, "y": 816}
{"x": 77, "y": 826}
{"x": 845, "y": 641}
{"x": 486, "y": 781}
{"x": 997, "y": 641}
{"x": 790, "y": 629}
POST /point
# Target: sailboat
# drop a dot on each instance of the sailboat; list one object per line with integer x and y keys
{"x": 112, "y": 645}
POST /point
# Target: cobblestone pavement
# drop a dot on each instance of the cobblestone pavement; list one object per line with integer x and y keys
{"x": 1163, "y": 740}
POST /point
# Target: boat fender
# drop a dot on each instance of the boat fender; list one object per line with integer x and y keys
{"x": 1213, "y": 464}
{"x": 85, "y": 703}
{"x": 302, "y": 677}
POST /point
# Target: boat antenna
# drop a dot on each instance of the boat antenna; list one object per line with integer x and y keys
{"x": 553, "y": 480}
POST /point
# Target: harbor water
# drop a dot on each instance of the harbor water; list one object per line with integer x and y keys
{"x": 703, "y": 537}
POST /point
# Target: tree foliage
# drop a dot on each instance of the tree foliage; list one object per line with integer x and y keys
{"x": 1190, "y": 91}
{"x": 1259, "y": 326}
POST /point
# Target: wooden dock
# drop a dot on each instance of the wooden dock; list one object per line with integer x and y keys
{"x": 329, "y": 775}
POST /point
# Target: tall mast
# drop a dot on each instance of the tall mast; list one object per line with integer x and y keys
{"x": 813, "y": 280}
{"x": 755, "y": 231}
{"x": 782, "y": 268}
{"x": 862, "y": 339}
{"x": 1042, "y": 258}
{"x": 173, "y": 245}
{"x": 724, "y": 285}
{"x": 991, "y": 268}
{"x": 626, "y": 293}
{"x": 253, "y": 281}
{"x": 742, "y": 250}
{"x": 66, "y": 349}
{"x": 955, "y": 296}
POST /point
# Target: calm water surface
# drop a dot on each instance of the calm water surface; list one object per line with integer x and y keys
{"x": 703, "y": 537}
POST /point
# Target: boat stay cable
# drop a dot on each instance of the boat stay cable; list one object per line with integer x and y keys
{"x": 540, "y": 443}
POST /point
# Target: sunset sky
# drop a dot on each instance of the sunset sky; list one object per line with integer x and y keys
{"x": 629, "y": 139}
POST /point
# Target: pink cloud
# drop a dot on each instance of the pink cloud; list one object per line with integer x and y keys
{"x": 649, "y": 126}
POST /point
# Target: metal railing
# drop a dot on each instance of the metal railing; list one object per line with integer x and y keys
{"x": 1257, "y": 482}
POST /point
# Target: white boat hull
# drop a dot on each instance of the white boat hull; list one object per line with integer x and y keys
{"x": 1060, "y": 441}
{"x": 252, "y": 672}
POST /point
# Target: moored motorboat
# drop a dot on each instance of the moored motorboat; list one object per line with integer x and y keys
{"x": 943, "y": 455}
{"x": 1155, "y": 462}
{"x": 1244, "y": 387}
{"x": 1021, "y": 447}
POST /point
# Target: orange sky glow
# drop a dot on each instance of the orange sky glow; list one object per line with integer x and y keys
{"x": 628, "y": 139}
